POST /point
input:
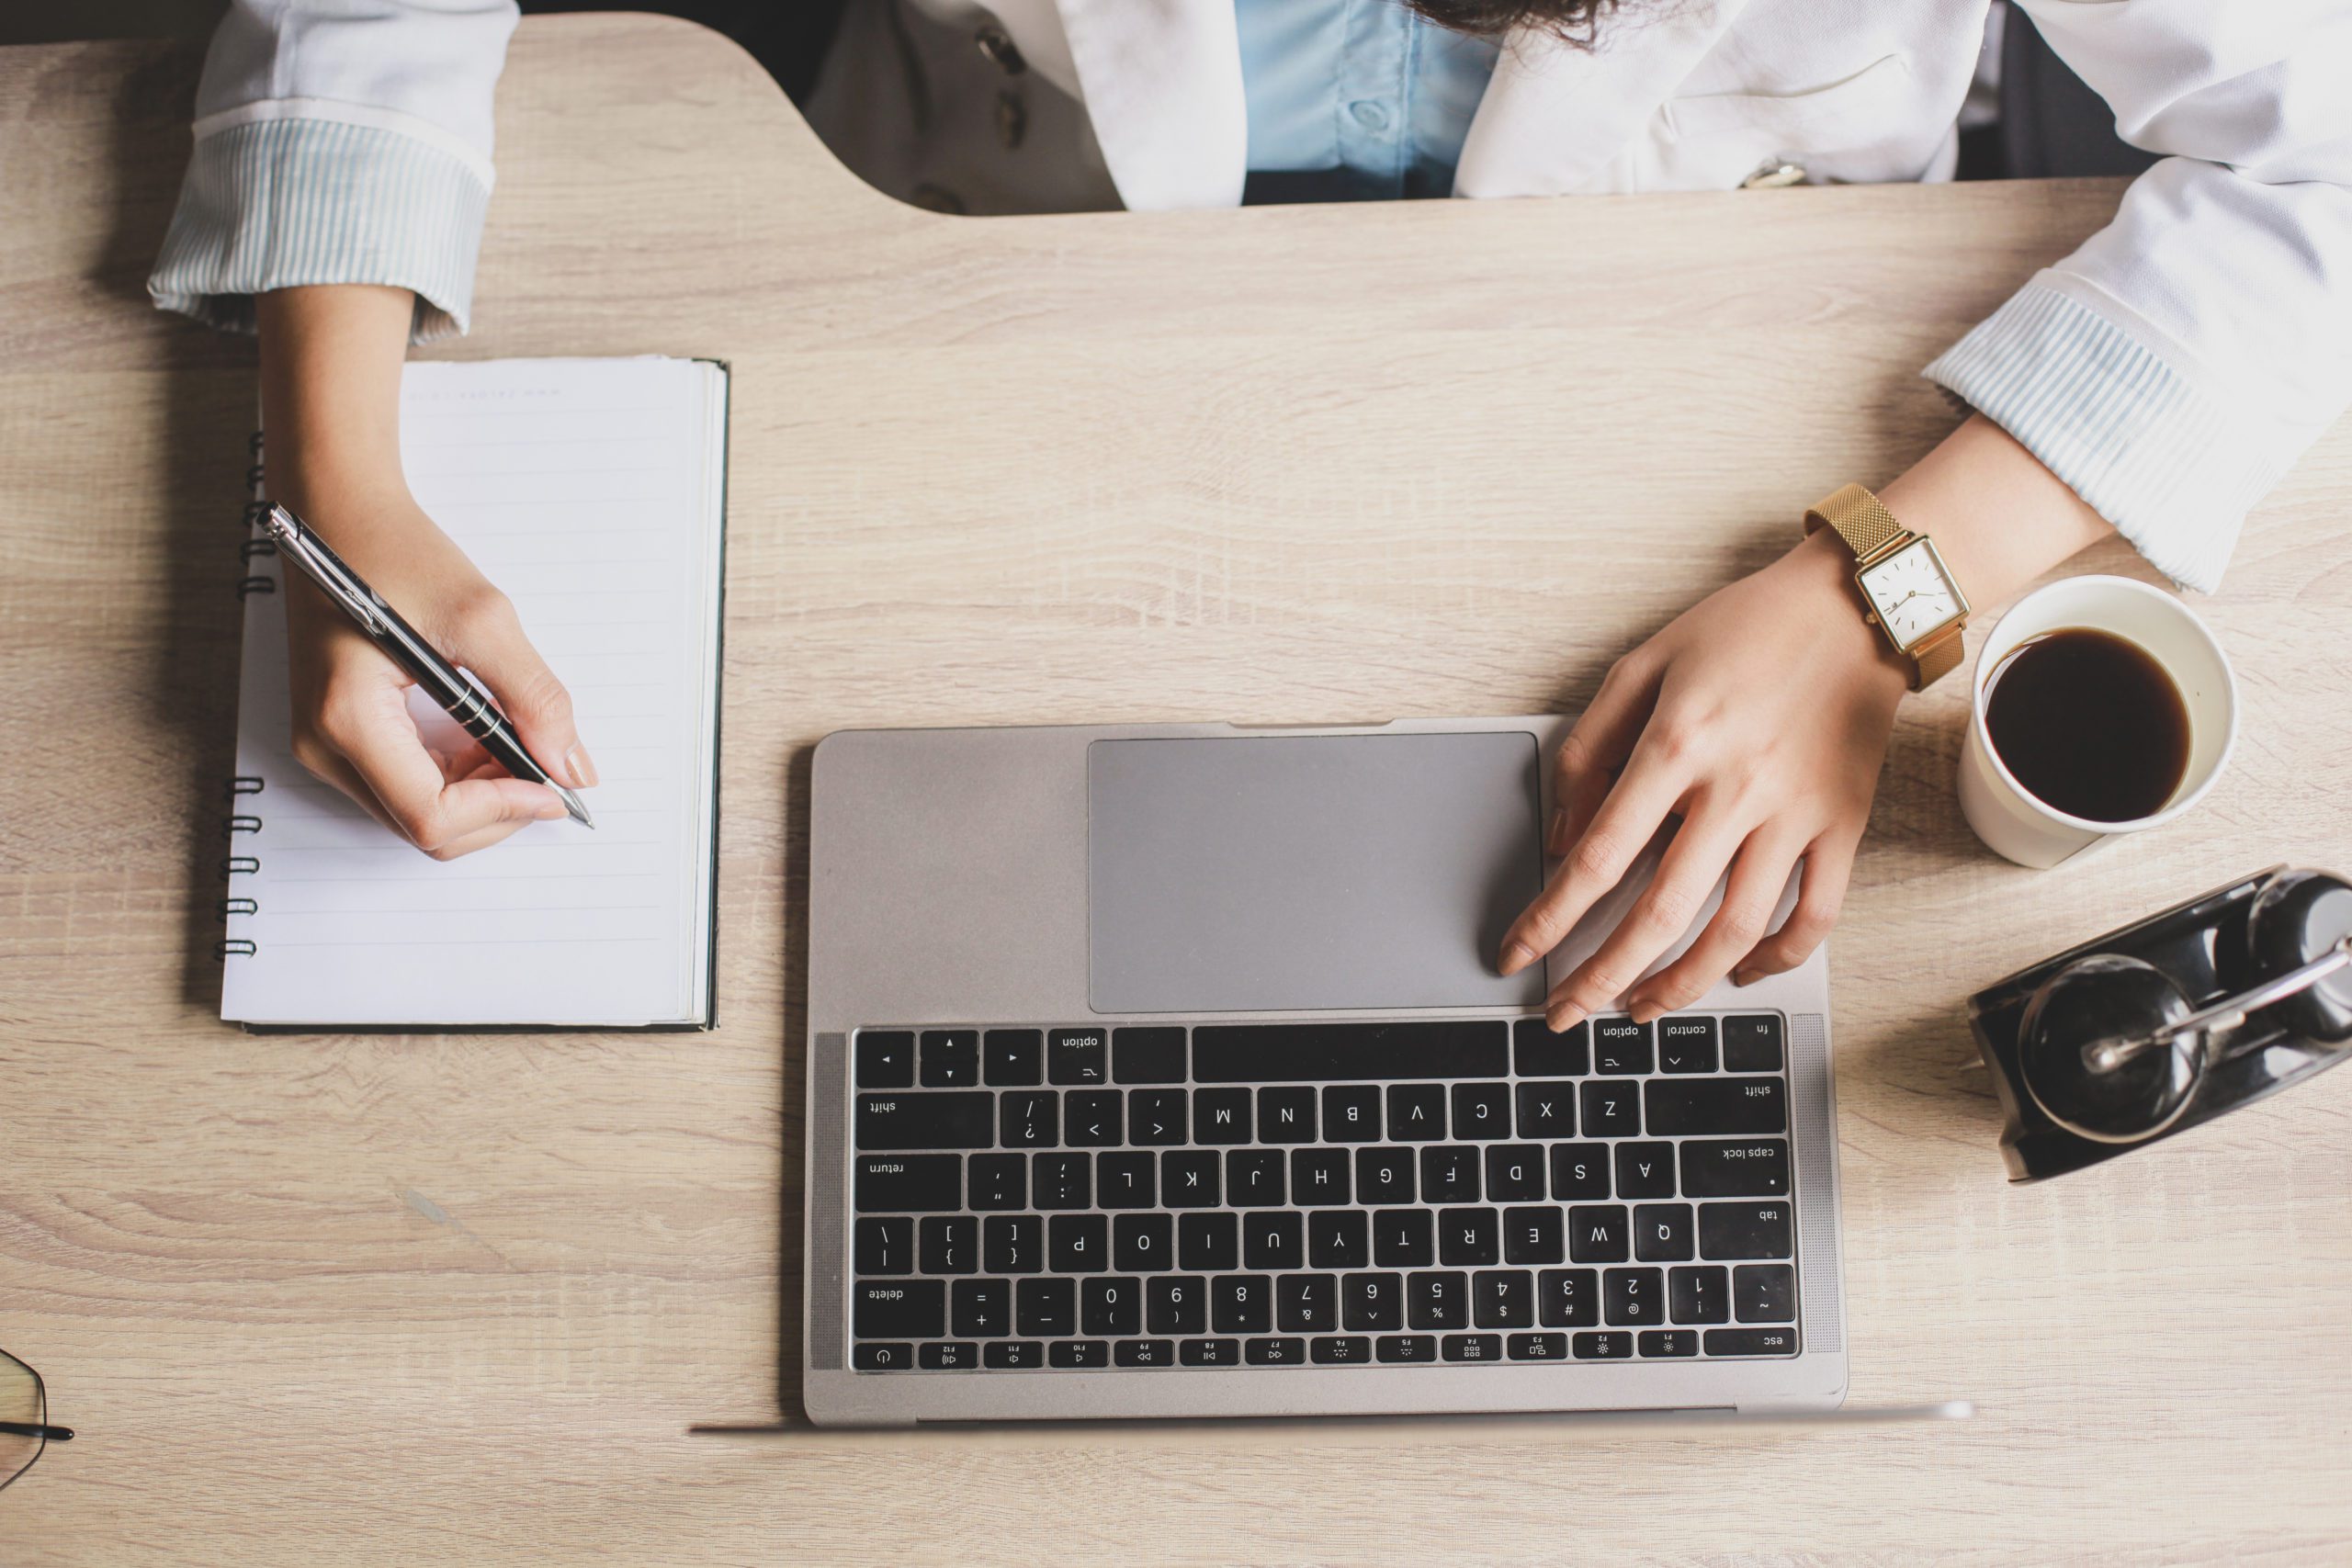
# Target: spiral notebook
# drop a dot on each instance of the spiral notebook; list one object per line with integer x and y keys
{"x": 593, "y": 492}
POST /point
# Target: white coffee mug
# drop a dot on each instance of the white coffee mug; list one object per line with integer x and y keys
{"x": 2011, "y": 820}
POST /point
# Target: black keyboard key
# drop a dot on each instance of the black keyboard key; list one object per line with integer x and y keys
{"x": 1745, "y": 1230}
{"x": 1416, "y": 1112}
{"x": 1579, "y": 1171}
{"x": 951, "y": 1058}
{"x": 886, "y": 1246}
{"x": 1662, "y": 1233}
{"x": 1603, "y": 1346}
{"x": 1471, "y": 1347}
{"x": 1156, "y": 1117}
{"x": 1646, "y": 1170}
{"x": 1110, "y": 1307}
{"x": 1372, "y": 1303}
{"x": 1403, "y": 1238}
{"x": 1340, "y": 1351}
{"x": 1534, "y": 1235}
{"x": 1078, "y": 1355}
{"x": 983, "y": 1309}
{"x": 1147, "y": 1055}
{"x": 1751, "y": 1341}
{"x": 1611, "y": 1108}
{"x": 1144, "y": 1353}
{"x": 999, "y": 1181}
{"x": 1337, "y": 1053}
{"x": 1045, "y": 1308}
{"x": 1438, "y": 1300}
{"x": 1319, "y": 1176}
{"x": 1061, "y": 1181}
{"x": 1544, "y": 1055}
{"x": 1012, "y": 1057}
{"x": 1700, "y": 1294}
{"x": 1078, "y": 1057}
{"x": 1275, "y": 1352}
{"x": 951, "y": 1244}
{"x": 1143, "y": 1244}
{"x": 1013, "y": 1355}
{"x": 1633, "y": 1296}
{"x": 951, "y": 1118}
{"x": 1273, "y": 1241}
{"x": 1567, "y": 1298}
{"x": 1735, "y": 1167}
{"x": 1078, "y": 1244}
{"x": 1338, "y": 1238}
{"x": 1384, "y": 1175}
{"x": 1448, "y": 1173}
{"x": 1126, "y": 1178}
{"x": 1620, "y": 1045}
{"x": 1029, "y": 1119}
{"x": 1306, "y": 1303}
{"x": 1188, "y": 1179}
{"x": 1597, "y": 1234}
{"x": 1175, "y": 1304}
{"x": 1352, "y": 1113}
{"x": 1210, "y": 1352}
{"x": 1537, "y": 1347}
{"x": 1207, "y": 1244}
{"x": 1752, "y": 1044}
{"x": 1221, "y": 1116}
{"x": 1012, "y": 1244}
{"x": 908, "y": 1183}
{"x": 1716, "y": 1105}
{"x": 893, "y": 1358}
{"x": 1764, "y": 1293}
{"x": 1686, "y": 1044}
{"x": 1480, "y": 1110}
{"x": 1090, "y": 1118}
{"x": 885, "y": 1059}
{"x": 1666, "y": 1342}
{"x": 1514, "y": 1173}
{"x": 1253, "y": 1177}
{"x": 1468, "y": 1238}
{"x": 1242, "y": 1303}
{"x": 899, "y": 1309}
{"x": 1547, "y": 1110}
{"x": 948, "y": 1356}
{"x": 1410, "y": 1350}
{"x": 1286, "y": 1115}
{"x": 1502, "y": 1298}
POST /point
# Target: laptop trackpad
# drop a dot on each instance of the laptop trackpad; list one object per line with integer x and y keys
{"x": 1309, "y": 873}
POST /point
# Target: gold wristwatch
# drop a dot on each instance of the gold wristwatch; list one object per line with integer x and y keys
{"x": 1908, "y": 592}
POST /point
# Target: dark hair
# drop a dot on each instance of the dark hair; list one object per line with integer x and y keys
{"x": 1574, "y": 22}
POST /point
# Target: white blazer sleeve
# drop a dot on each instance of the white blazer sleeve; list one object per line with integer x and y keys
{"x": 2173, "y": 368}
{"x": 338, "y": 141}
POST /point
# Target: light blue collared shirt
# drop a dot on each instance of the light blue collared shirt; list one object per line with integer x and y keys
{"x": 1355, "y": 100}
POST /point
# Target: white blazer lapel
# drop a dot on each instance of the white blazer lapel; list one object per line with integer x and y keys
{"x": 1553, "y": 117}
{"x": 1162, "y": 85}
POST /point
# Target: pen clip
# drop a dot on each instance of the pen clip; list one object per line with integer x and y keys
{"x": 323, "y": 567}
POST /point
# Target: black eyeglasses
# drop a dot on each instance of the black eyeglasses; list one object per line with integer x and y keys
{"x": 24, "y": 1420}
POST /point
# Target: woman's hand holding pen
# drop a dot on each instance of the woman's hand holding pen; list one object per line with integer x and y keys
{"x": 331, "y": 365}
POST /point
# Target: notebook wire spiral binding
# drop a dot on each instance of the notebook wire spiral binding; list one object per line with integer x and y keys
{"x": 257, "y": 509}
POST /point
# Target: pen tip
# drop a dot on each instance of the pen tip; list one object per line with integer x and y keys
{"x": 571, "y": 806}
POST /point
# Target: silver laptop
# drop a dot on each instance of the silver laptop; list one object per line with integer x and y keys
{"x": 1163, "y": 1071}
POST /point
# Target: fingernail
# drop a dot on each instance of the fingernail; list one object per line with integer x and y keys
{"x": 1643, "y": 1011}
{"x": 1744, "y": 977}
{"x": 1517, "y": 955}
{"x": 1556, "y": 837}
{"x": 583, "y": 772}
{"x": 1564, "y": 1017}
{"x": 549, "y": 810}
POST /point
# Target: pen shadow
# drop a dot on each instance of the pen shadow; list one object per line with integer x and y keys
{"x": 793, "y": 1070}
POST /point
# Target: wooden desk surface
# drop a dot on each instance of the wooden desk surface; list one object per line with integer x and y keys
{"x": 458, "y": 1299}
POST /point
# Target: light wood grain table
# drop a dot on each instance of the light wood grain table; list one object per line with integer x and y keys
{"x": 459, "y": 1298}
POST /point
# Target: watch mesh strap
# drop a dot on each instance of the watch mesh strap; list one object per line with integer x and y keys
{"x": 1859, "y": 517}
{"x": 1937, "y": 659}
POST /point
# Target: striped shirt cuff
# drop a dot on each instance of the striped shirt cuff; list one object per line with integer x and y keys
{"x": 2152, "y": 450}
{"x": 281, "y": 202}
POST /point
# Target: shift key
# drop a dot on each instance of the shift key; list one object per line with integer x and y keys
{"x": 1715, "y": 1105}
{"x": 957, "y": 1119}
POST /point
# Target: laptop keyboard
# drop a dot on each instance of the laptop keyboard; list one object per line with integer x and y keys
{"x": 1412, "y": 1194}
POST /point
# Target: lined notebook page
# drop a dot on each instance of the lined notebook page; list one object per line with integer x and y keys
{"x": 591, "y": 491}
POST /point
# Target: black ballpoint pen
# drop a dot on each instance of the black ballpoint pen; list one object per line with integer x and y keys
{"x": 442, "y": 681}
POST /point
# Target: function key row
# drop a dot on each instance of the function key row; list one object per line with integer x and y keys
{"x": 1320, "y": 1350}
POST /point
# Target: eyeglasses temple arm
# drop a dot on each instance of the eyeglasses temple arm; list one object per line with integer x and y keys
{"x": 25, "y": 1429}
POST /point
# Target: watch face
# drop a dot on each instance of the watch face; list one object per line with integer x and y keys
{"x": 1911, "y": 594}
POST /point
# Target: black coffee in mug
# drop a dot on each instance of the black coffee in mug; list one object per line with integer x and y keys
{"x": 2089, "y": 723}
